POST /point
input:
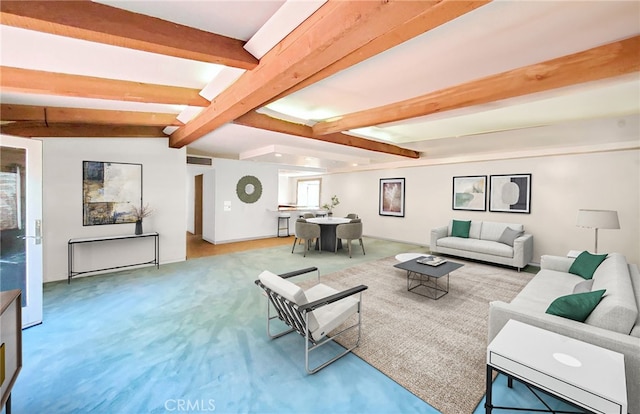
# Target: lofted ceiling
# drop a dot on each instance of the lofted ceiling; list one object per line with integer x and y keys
{"x": 325, "y": 85}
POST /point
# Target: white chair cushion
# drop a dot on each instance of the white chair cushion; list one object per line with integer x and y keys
{"x": 329, "y": 317}
{"x": 283, "y": 287}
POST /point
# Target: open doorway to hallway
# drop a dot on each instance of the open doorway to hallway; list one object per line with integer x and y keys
{"x": 197, "y": 247}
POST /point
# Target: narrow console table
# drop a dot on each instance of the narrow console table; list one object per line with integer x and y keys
{"x": 74, "y": 242}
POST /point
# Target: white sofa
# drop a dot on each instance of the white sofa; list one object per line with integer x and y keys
{"x": 483, "y": 243}
{"x": 613, "y": 324}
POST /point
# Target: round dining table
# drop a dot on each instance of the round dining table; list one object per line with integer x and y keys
{"x": 328, "y": 231}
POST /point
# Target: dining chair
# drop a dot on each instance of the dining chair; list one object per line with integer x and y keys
{"x": 352, "y": 216}
{"x": 307, "y": 232}
{"x": 350, "y": 231}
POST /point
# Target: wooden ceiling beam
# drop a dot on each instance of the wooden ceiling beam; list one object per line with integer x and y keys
{"x": 10, "y": 112}
{"x": 334, "y": 31}
{"x": 433, "y": 17}
{"x": 611, "y": 60}
{"x": 256, "y": 120}
{"x": 100, "y": 23}
{"x": 62, "y": 84}
{"x": 51, "y": 115}
{"x": 41, "y": 130}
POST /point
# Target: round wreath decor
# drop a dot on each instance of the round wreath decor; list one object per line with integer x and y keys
{"x": 249, "y": 189}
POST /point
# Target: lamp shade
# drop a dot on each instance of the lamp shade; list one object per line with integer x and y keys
{"x": 598, "y": 219}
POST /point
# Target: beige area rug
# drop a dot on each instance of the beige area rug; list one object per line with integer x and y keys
{"x": 434, "y": 348}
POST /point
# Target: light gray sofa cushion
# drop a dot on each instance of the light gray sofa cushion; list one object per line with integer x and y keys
{"x": 509, "y": 235}
{"x": 583, "y": 287}
{"x": 543, "y": 289}
{"x": 635, "y": 281}
{"x": 557, "y": 263}
{"x": 476, "y": 246}
{"x": 492, "y": 230}
{"x": 617, "y": 310}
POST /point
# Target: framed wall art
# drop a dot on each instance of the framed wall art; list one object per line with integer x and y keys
{"x": 470, "y": 193}
{"x": 110, "y": 191}
{"x": 391, "y": 197}
{"x": 510, "y": 193}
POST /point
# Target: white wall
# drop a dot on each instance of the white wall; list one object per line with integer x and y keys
{"x": 243, "y": 221}
{"x": 164, "y": 189}
{"x": 561, "y": 185}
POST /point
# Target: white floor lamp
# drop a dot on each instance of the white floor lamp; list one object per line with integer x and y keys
{"x": 598, "y": 219}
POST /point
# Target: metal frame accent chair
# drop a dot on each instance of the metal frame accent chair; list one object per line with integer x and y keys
{"x": 350, "y": 231}
{"x": 313, "y": 313}
{"x": 307, "y": 232}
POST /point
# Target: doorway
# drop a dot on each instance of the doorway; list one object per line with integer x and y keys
{"x": 21, "y": 223}
{"x": 197, "y": 206}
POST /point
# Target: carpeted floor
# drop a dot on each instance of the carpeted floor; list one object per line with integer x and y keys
{"x": 434, "y": 348}
{"x": 190, "y": 337}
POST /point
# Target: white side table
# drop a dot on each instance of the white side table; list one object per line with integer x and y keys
{"x": 577, "y": 372}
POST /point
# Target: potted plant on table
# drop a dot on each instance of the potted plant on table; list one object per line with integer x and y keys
{"x": 139, "y": 213}
{"x": 330, "y": 206}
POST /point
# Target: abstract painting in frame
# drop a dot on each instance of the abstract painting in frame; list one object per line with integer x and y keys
{"x": 470, "y": 193}
{"x": 110, "y": 191}
{"x": 392, "y": 197}
{"x": 510, "y": 193}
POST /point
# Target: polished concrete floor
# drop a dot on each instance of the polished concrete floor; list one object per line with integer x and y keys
{"x": 190, "y": 337}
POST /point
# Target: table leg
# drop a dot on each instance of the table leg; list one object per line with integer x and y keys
{"x": 157, "y": 239}
{"x": 487, "y": 404}
{"x": 69, "y": 261}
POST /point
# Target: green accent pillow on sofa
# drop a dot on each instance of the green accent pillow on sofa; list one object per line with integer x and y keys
{"x": 577, "y": 306}
{"x": 461, "y": 228}
{"x": 586, "y": 264}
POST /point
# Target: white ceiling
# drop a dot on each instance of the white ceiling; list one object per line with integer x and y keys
{"x": 494, "y": 38}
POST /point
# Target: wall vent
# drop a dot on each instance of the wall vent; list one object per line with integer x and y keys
{"x": 199, "y": 160}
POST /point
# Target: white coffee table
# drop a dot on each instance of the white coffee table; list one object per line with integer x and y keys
{"x": 405, "y": 257}
{"x": 577, "y": 372}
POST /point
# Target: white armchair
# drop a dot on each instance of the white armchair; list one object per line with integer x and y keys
{"x": 313, "y": 313}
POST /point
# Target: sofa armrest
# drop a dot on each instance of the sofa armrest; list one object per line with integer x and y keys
{"x": 557, "y": 263}
{"x": 629, "y": 346}
{"x": 523, "y": 250}
{"x": 437, "y": 233}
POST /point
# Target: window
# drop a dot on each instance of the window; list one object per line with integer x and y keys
{"x": 308, "y": 193}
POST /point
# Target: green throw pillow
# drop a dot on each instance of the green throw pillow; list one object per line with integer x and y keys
{"x": 577, "y": 306}
{"x": 586, "y": 264}
{"x": 461, "y": 228}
